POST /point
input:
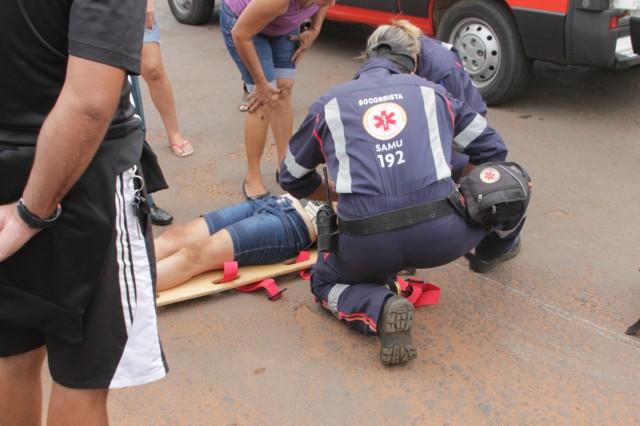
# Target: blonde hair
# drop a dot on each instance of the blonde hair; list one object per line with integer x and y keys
{"x": 400, "y": 32}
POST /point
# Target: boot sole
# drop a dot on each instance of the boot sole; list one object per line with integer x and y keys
{"x": 397, "y": 342}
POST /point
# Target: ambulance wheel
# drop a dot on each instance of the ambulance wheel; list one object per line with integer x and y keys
{"x": 486, "y": 36}
{"x": 192, "y": 12}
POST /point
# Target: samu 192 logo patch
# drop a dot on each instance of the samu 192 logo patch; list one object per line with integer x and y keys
{"x": 384, "y": 121}
{"x": 489, "y": 175}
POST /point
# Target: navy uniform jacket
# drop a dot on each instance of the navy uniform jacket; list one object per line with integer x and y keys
{"x": 386, "y": 138}
{"x": 440, "y": 63}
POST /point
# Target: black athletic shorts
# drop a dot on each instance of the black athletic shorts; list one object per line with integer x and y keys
{"x": 118, "y": 343}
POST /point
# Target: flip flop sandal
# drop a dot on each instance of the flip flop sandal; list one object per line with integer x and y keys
{"x": 179, "y": 150}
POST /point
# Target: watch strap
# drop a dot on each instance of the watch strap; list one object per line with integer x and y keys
{"x": 34, "y": 221}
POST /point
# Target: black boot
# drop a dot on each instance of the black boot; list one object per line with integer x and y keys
{"x": 634, "y": 328}
{"x": 160, "y": 217}
{"x": 395, "y": 326}
{"x": 484, "y": 260}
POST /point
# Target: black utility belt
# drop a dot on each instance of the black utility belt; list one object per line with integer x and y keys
{"x": 397, "y": 219}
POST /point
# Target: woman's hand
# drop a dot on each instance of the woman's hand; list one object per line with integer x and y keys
{"x": 305, "y": 40}
{"x": 151, "y": 15}
{"x": 263, "y": 95}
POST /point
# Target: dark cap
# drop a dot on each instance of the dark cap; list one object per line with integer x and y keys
{"x": 396, "y": 53}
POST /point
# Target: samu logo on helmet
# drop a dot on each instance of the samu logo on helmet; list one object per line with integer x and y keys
{"x": 384, "y": 121}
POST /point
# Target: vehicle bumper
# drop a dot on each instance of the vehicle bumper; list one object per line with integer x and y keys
{"x": 590, "y": 41}
{"x": 625, "y": 56}
{"x": 580, "y": 37}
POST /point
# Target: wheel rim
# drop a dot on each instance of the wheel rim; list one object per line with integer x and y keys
{"x": 183, "y": 6}
{"x": 479, "y": 49}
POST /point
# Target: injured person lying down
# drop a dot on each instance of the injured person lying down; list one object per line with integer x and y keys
{"x": 257, "y": 232}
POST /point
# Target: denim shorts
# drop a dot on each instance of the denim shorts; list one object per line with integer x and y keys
{"x": 274, "y": 52}
{"x": 152, "y": 35}
{"x": 263, "y": 231}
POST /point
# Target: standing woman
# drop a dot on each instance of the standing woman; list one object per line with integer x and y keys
{"x": 153, "y": 72}
{"x": 264, "y": 39}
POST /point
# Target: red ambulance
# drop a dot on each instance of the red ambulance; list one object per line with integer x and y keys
{"x": 497, "y": 39}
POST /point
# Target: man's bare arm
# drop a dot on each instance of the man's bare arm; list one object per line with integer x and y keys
{"x": 68, "y": 140}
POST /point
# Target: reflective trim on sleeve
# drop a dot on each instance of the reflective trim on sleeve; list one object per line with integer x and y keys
{"x": 295, "y": 169}
{"x": 470, "y": 133}
{"x": 447, "y": 45}
{"x": 440, "y": 162}
{"x": 334, "y": 296}
{"x": 334, "y": 121}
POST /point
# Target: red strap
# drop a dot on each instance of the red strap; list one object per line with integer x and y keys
{"x": 303, "y": 256}
{"x": 269, "y": 284}
{"x": 421, "y": 293}
{"x": 230, "y": 272}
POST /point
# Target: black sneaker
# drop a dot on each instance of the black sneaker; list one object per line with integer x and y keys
{"x": 395, "y": 326}
{"x": 160, "y": 217}
{"x": 482, "y": 266}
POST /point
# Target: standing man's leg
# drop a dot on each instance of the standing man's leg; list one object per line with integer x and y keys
{"x": 21, "y": 388}
{"x": 89, "y": 407}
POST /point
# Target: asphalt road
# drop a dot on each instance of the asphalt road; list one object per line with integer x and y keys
{"x": 540, "y": 340}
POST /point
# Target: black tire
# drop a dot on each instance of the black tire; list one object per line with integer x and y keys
{"x": 192, "y": 12}
{"x": 487, "y": 38}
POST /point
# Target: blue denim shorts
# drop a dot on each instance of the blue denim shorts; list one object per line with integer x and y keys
{"x": 274, "y": 52}
{"x": 152, "y": 35}
{"x": 264, "y": 231}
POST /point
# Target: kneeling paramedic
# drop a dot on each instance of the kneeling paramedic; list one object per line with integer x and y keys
{"x": 387, "y": 138}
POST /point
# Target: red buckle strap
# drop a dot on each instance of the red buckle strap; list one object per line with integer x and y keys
{"x": 231, "y": 273}
{"x": 303, "y": 256}
{"x": 269, "y": 284}
{"x": 421, "y": 293}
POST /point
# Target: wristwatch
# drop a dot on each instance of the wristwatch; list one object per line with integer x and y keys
{"x": 34, "y": 221}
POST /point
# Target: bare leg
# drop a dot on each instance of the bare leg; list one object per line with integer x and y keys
{"x": 178, "y": 236}
{"x": 161, "y": 93}
{"x": 77, "y": 407}
{"x": 196, "y": 258}
{"x": 282, "y": 118}
{"x": 21, "y": 389}
{"x": 256, "y": 126}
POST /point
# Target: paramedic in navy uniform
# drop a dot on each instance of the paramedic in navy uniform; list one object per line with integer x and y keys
{"x": 439, "y": 63}
{"x": 387, "y": 138}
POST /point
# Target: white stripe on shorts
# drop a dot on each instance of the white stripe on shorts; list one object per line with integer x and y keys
{"x": 141, "y": 360}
